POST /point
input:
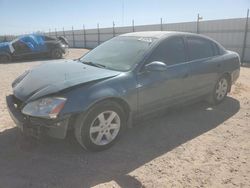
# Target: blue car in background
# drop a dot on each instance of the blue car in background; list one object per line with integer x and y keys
{"x": 33, "y": 45}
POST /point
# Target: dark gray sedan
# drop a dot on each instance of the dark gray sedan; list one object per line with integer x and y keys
{"x": 125, "y": 78}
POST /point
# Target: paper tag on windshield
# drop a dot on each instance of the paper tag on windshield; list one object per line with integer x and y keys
{"x": 146, "y": 39}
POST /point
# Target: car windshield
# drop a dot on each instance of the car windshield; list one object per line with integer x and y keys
{"x": 120, "y": 53}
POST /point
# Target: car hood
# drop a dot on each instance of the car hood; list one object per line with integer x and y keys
{"x": 55, "y": 76}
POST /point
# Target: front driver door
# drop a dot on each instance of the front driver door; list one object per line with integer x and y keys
{"x": 158, "y": 89}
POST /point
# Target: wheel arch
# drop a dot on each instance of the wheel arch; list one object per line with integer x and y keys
{"x": 121, "y": 102}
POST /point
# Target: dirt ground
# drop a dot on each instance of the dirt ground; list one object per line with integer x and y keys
{"x": 196, "y": 146}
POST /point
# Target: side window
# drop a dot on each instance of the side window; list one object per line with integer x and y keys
{"x": 215, "y": 49}
{"x": 199, "y": 48}
{"x": 46, "y": 38}
{"x": 171, "y": 51}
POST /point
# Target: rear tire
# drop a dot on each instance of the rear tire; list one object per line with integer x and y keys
{"x": 220, "y": 90}
{"x": 101, "y": 126}
{"x": 56, "y": 53}
{"x": 5, "y": 58}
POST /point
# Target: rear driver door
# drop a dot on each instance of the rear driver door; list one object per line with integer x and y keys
{"x": 202, "y": 66}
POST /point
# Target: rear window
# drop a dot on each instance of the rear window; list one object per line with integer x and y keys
{"x": 199, "y": 48}
{"x": 216, "y": 49}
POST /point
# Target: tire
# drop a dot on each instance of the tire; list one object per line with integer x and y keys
{"x": 95, "y": 132}
{"x": 4, "y": 58}
{"x": 56, "y": 53}
{"x": 220, "y": 90}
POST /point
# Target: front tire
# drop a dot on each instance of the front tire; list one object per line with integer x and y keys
{"x": 4, "y": 58}
{"x": 101, "y": 127}
{"x": 220, "y": 91}
{"x": 56, "y": 53}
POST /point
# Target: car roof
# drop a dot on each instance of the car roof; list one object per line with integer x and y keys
{"x": 30, "y": 35}
{"x": 160, "y": 34}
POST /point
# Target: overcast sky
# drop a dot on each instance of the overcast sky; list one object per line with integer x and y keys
{"x": 23, "y": 16}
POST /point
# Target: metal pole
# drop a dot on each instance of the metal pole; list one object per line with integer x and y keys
{"x": 113, "y": 29}
{"x": 133, "y": 25}
{"x": 245, "y": 39}
{"x": 198, "y": 24}
{"x": 63, "y": 32}
{"x": 49, "y": 32}
{"x": 161, "y": 25}
{"x": 98, "y": 33}
{"x": 55, "y": 32}
{"x": 73, "y": 36}
{"x": 84, "y": 36}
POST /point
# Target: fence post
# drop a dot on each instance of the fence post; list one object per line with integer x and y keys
{"x": 84, "y": 35}
{"x": 113, "y": 29}
{"x": 73, "y": 36}
{"x": 198, "y": 23}
{"x": 98, "y": 33}
{"x": 55, "y": 32}
{"x": 245, "y": 39}
{"x": 63, "y": 32}
{"x": 161, "y": 25}
{"x": 133, "y": 25}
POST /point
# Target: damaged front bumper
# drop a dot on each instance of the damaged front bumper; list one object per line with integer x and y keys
{"x": 37, "y": 127}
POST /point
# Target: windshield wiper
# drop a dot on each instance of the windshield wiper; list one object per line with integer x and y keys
{"x": 94, "y": 64}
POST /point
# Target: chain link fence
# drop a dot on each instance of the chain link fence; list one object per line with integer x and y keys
{"x": 233, "y": 34}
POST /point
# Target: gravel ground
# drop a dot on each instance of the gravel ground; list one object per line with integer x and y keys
{"x": 194, "y": 146}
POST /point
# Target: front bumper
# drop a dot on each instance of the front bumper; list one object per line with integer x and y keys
{"x": 36, "y": 127}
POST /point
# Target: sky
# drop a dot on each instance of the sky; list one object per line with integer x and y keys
{"x": 25, "y": 16}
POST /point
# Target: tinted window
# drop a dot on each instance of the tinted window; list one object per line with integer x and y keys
{"x": 46, "y": 38}
{"x": 171, "y": 51}
{"x": 216, "y": 49}
{"x": 199, "y": 48}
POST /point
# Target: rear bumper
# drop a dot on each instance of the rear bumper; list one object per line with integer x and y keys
{"x": 37, "y": 127}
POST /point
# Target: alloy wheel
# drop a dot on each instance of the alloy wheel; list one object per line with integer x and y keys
{"x": 105, "y": 128}
{"x": 221, "y": 89}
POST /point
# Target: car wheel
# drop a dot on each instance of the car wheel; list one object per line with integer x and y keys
{"x": 220, "y": 90}
{"x": 101, "y": 127}
{"x": 56, "y": 53}
{"x": 4, "y": 59}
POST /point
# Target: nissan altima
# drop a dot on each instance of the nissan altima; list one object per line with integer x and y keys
{"x": 128, "y": 77}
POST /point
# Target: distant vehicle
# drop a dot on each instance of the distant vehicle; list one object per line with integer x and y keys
{"x": 125, "y": 78}
{"x": 34, "y": 45}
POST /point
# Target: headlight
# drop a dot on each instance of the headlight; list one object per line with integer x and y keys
{"x": 45, "y": 108}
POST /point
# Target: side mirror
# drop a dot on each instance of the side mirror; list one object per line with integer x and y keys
{"x": 156, "y": 66}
